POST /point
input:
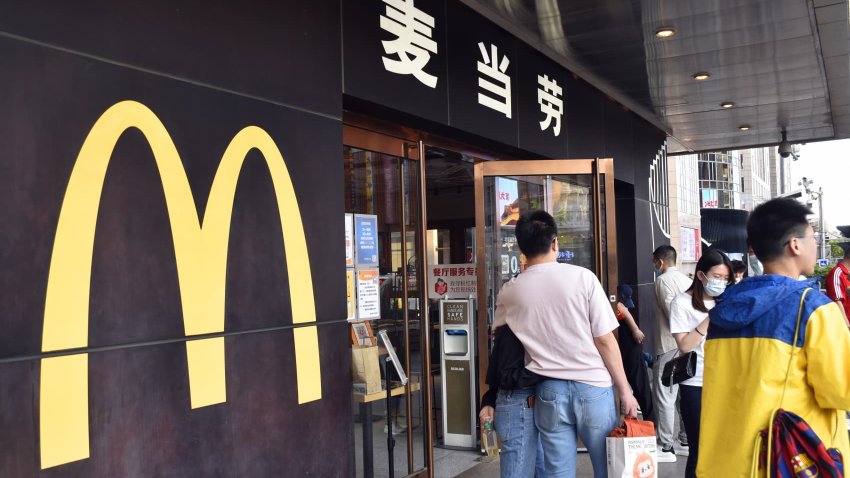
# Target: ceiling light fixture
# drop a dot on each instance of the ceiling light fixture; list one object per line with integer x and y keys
{"x": 744, "y": 127}
{"x": 665, "y": 32}
{"x": 727, "y": 105}
{"x": 701, "y": 76}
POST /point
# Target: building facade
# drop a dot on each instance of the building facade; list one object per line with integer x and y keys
{"x": 177, "y": 285}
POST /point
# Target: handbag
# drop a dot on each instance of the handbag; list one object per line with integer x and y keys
{"x": 631, "y": 449}
{"x": 792, "y": 447}
{"x": 679, "y": 369}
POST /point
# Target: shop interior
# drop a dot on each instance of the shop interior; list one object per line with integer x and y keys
{"x": 388, "y": 187}
{"x": 384, "y": 181}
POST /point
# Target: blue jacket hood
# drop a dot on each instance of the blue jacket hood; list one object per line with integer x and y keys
{"x": 752, "y": 298}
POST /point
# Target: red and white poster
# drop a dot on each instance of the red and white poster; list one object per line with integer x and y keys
{"x": 690, "y": 244}
{"x": 452, "y": 281}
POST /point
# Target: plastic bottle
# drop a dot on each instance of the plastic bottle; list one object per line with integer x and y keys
{"x": 489, "y": 439}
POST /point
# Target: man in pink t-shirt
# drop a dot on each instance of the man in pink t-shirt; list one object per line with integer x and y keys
{"x": 561, "y": 315}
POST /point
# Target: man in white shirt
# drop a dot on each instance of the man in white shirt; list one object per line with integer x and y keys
{"x": 563, "y": 318}
{"x": 668, "y": 284}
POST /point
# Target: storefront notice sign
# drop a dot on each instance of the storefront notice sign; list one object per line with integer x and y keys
{"x": 452, "y": 281}
{"x": 366, "y": 239}
{"x": 690, "y": 244}
{"x": 368, "y": 295}
{"x": 349, "y": 240}
{"x": 349, "y": 294}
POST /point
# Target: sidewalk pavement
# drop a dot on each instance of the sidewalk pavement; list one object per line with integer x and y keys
{"x": 489, "y": 468}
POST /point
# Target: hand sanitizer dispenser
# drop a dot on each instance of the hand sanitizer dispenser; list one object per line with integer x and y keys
{"x": 457, "y": 359}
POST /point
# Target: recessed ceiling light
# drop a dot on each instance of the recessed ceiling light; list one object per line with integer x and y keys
{"x": 727, "y": 104}
{"x": 665, "y": 32}
{"x": 744, "y": 127}
{"x": 701, "y": 75}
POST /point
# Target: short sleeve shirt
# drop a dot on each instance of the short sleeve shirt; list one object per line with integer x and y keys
{"x": 684, "y": 318}
{"x": 837, "y": 283}
{"x": 556, "y": 310}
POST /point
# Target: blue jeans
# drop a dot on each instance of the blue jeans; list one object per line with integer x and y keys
{"x": 521, "y": 453}
{"x": 565, "y": 408}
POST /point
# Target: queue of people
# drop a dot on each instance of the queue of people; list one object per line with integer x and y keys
{"x": 557, "y": 367}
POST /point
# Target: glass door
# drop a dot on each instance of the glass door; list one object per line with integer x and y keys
{"x": 383, "y": 183}
{"x": 580, "y": 196}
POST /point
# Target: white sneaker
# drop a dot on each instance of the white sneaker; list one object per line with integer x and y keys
{"x": 666, "y": 455}
{"x": 682, "y": 450}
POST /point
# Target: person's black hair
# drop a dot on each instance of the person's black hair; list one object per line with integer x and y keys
{"x": 711, "y": 258}
{"x": 534, "y": 232}
{"x": 772, "y": 224}
{"x": 665, "y": 253}
{"x": 738, "y": 266}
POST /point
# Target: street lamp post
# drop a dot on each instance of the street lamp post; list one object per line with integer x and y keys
{"x": 819, "y": 196}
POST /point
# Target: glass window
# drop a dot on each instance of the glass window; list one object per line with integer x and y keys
{"x": 388, "y": 187}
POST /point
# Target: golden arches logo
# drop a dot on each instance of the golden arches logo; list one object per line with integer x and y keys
{"x": 201, "y": 253}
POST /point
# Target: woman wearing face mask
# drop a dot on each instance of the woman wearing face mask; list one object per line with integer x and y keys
{"x": 689, "y": 324}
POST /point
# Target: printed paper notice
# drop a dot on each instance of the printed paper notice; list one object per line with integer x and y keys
{"x": 366, "y": 239}
{"x": 368, "y": 295}
{"x": 349, "y": 240}
{"x": 349, "y": 289}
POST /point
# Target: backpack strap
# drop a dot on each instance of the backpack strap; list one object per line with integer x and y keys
{"x": 793, "y": 345}
{"x": 784, "y": 387}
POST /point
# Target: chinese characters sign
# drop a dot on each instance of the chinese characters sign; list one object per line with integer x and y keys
{"x": 452, "y": 281}
{"x": 507, "y": 200}
{"x": 494, "y": 81}
{"x": 441, "y": 60}
{"x": 709, "y": 198}
{"x": 366, "y": 239}
{"x": 690, "y": 244}
{"x": 551, "y": 104}
{"x": 413, "y": 45}
{"x": 368, "y": 295}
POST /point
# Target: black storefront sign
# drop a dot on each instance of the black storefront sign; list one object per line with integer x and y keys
{"x": 482, "y": 76}
{"x": 375, "y": 40}
{"x": 453, "y": 66}
{"x": 542, "y": 103}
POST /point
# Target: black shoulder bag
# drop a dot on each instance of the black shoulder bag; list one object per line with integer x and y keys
{"x": 679, "y": 369}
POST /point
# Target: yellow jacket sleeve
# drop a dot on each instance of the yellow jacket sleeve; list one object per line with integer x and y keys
{"x": 828, "y": 352}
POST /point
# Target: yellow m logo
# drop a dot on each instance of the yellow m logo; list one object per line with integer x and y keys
{"x": 201, "y": 252}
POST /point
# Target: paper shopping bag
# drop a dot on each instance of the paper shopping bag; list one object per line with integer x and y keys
{"x": 365, "y": 369}
{"x": 631, "y": 457}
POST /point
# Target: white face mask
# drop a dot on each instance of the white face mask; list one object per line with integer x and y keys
{"x": 715, "y": 287}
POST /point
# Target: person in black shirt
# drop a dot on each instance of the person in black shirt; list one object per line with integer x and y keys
{"x": 510, "y": 398}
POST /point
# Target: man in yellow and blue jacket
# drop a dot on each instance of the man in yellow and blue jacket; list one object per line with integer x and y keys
{"x": 749, "y": 346}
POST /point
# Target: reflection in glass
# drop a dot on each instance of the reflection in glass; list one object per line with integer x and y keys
{"x": 388, "y": 187}
{"x": 569, "y": 198}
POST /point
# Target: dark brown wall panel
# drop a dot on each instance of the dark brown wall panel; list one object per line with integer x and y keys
{"x": 284, "y": 51}
{"x": 206, "y": 71}
{"x": 141, "y": 423}
{"x": 52, "y": 101}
